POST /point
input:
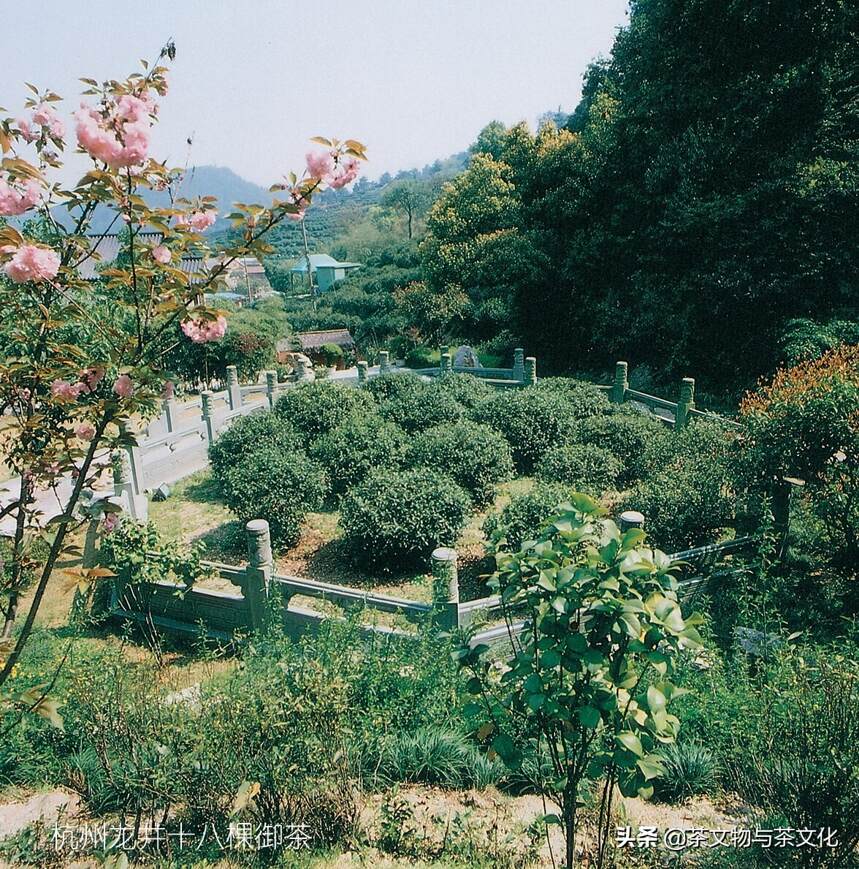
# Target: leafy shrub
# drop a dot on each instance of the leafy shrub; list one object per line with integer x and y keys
{"x": 356, "y": 447}
{"x": 420, "y": 357}
{"x": 420, "y": 407}
{"x": 583, "y": 467}
{"x": 467, "y": 389}
{"x": 475, "y": 456}
{"x": 314, "y": 409}
{"x": 688, "y": 769}
{"x": 687, "y": 495}
{"x": 526, "y": 515}
{"x": 279, "y": 488}
{"x": 394, "y": 519}
{"x": 532, "y": 421}
{"x": 626, "y": 436}
{"x": 582, "y": 399}
{"x": 249, "y": 434}
{"x": 387, "y": 386}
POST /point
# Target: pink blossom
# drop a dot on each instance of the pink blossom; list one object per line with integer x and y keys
{"x": 125, "y": 147}
{"x": 32, "y": 263}
{"x": 296, "y": 215}
{"x": 123, "y": 386}
{"x": 345, "y": 172}
{"x": 199, "y": 221}
{"x": 203, "y": 331}
{"x": 161, "y": 254}
{"x": 64, "y": 391}
{"x": 111, "y": 520}
{"x": 320, "y": 164}
{"x": 43, "y": 114}
{"x": 26, "y": 129}
{"x": 132, "y": 108}
{"x": 85, "y": 431}
{"x": 19, "y": 196}
{"x": 167, "y": 392}
{"x": 91, "y": 377}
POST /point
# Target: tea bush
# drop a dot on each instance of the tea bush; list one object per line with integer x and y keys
{"x": 474, "y": 455}
{"x": 281, "y": 488}
{"x": 532, "y": 421}
{"x": 583, "y": 467}
{"x": 314, "y": 409}
{"x": 388, "y": 386}
{"x": 421, "y": 406}
{"x": 394, "y": 519}
{"x": 357, "y": 446}
{"x": 627, "y": 436}
{"x": 468, "y": 390}
{"x": 525, "y": 516}
{"x": 248, "y": 434}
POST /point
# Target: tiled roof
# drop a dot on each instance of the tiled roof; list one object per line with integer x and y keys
{"x": 314, "y": 340}
{"x": 107, "y": 249}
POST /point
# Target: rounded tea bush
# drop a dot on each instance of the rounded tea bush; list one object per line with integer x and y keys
{"x": 526, "y": 515}
{"x": 532, "y": 421}
{"x": 394, "y": 519}
{"x": 627, "y": 436}
{"x": 358, "y": 446}
{"x": 314, "y": 409}
{"x": 475, "y": 456}
{"x": 468, "y": 390}
{"x": 387, "y": 386}
{"x": 249, "y": 434}
{"x": 421, "y": 407}
{"x": 582, "y": 399}
{"x": 279, "y": 487}
{"x": 583, "y": 467}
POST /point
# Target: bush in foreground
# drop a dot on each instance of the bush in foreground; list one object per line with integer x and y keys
{"x": 474, "y": 455}
{"x": 394, "y": 519}
{"x": 280, "y": 488}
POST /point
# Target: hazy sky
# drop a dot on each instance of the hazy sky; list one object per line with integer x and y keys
{"x": 253, "y": 80}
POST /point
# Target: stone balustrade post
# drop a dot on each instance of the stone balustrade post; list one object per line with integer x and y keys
{"x": 620, "y": 385}
{"x": 270, "y": 386}
{"x": 631, "y": 519}
{"x": 258, "y": 572}
{"x": 446, "y": 363}
{"x": 234, "y": 391}
{"x": 530, "y": 371}
{"x": 208, "y": 421}
{"x": 686, "y": 403}
{"x": 445, "y": 586}
{"x": 519, "y": 364}
{"x": 362, "y": 372}
{"x": 171, "y": 413}
{"x": 784, "y": 494}
{"x": 384, "y": 362}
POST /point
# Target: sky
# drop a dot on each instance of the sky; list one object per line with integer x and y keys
{"x": 253, "y": 81}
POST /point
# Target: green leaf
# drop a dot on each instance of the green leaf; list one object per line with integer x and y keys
{"x": 630, "y": 742}
{"x": 535, "y": 701}
{"x": 655, "y": 699}
{"x": 650, "y": 766}
{"x": 589, "y": 717}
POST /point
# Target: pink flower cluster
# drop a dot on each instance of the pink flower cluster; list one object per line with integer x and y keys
{"x": 18, "y": 196}
{"x": 332, "y": 168}
{"x": 199, "y": 221}
{"x": 123, "y": 386}
{"x": 32, "y": 263}
{"x": 118, "y": 136}
{"x": 161, "y": 254}
{"x": 203, "y": 331}
{"x": 298, "y": 199}
{"x": 43, "y": 116}
{"x": 66, "y": 391}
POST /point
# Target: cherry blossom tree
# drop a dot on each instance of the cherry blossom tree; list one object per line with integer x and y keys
{"x": 84, "y": 359}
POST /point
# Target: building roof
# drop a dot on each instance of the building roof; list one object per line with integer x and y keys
{"x": 315, "y": 340}
{"x": 321, "y": 260}
{"x": 107, "y": 247}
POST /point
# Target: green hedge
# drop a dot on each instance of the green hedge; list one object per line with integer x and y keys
{"x": 475, "y": 456}
{"x": 281, "y": 488}
{"x": 356, "y": 447}
{"x": 420, "y": 406}
{"x": 314, "y": 409}
{"x": 583, "y": 467}
{"x": 394, "y": 519}
{"x": 250, "y": 434}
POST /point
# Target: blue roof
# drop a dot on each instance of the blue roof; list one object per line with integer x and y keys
{"x": 321, "y": 260}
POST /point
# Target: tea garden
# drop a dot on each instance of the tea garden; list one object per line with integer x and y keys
{"x": 337, "y": 729}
